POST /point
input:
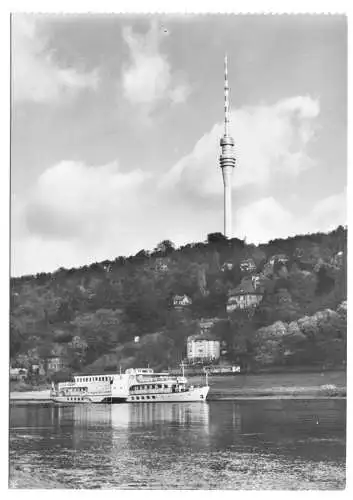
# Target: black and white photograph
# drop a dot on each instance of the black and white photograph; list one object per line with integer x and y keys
{"x": 178, "y": 251}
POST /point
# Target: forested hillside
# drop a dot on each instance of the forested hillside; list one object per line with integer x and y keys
{"x": 107, "y": 304}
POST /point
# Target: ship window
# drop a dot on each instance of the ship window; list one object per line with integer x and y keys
{"x": 147, "y": 397}
{"x": 132, "y": 397}
{"x": 142, "y": 397}
{"x": 153, "y": 397}
{"x": 137, "y": 397}
{"x": 159, "y": 386}
{"x": 165, "y": 386}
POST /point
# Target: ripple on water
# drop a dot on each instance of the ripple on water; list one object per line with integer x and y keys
{"x": 230, "y": 446}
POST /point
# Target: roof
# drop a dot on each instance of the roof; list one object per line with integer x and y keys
{"x": 246, "y": 287}
{"x": 206, "y": 337}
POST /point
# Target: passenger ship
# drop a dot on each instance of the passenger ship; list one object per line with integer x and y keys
{"x": 134, "y": 386}
{"x": 145, "y": 386}
{"x": 111, "y": 388}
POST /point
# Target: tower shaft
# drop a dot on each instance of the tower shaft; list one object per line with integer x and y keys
{"x": 227, "y": 158}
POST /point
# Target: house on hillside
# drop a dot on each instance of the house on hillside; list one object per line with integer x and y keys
{"x": 38, "y": 369}
{"x": 337, "y": 260}
{"x": 245, "y": 296}
{"x": 78, "y": 343}
{"x": 56, "y": 364}
{"x": 203, "y": 348}
{"x": 108, "y": 267}
{"x": 247, "y": 265}
{"x": 18, "y": 373}
{"x": 162, "y": 265}
{"x": 227, "y": 266}
{"x": 280, "y": 258}
{"x": 181, "y": 301}
{"x": 256, "y": 280}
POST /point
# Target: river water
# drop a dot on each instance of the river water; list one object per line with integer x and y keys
{"x": 263, "y": 444}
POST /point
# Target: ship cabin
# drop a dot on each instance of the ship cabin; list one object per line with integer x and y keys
{"x": 79, "y": 379}
{"x": 70, "y": 391}
{"x": 147, "y": 391}
{"x": 139, "y": 371}
{"x": 83, "y": 384}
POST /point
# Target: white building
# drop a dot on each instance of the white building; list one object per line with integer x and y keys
{"x": 247, "y": 265}
{"x": 278, "y": 258}
{"x": 205, "y": 348}
{"x": 180, "y": 301}
{"x": 227, "y": 266}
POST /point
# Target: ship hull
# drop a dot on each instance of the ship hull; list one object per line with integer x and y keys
{"x": 87, "y": 399}
{"x": 191, "y": 395}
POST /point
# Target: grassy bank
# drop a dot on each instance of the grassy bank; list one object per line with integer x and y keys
{"x": 326, "y": 384}
{"x": 30, "y": 395}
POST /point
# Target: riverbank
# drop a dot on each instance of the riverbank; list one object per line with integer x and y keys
{"x": 283, "y": 385}
{"x": 250, "y": 386}
{"x": 30, "y": 395}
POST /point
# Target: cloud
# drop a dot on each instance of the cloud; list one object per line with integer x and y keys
{"x": 270, "y": 140}
{"x": 267, "y": 219}
{"x": 77, "y": 214}
{"x": 36, "y": 76}
{"x": 148, "y": 78}
{"x": 263, "y": 220}
{"x": 330, "y": 212}
{"x": 72, "y": 200}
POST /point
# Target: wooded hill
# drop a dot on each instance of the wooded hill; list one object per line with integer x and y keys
{"x": 104, "y": 306}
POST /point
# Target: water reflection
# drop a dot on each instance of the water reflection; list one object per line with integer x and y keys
{"x": 183, "y": 445}
{"x": 183, "y": 414}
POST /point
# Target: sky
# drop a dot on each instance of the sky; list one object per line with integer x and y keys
{"x": 116, "y": 121}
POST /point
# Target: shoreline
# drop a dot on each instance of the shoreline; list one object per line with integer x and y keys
{"x": 303, "y": 385}
{"x": 236, "y": 395}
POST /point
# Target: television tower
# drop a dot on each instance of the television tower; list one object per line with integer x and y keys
{"x": 227, "y": 158}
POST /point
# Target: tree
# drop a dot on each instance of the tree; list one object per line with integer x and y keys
{"x": 325, "y": 283}
{"x": 164, "y": 248}
{"x": 217, "y": 239}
